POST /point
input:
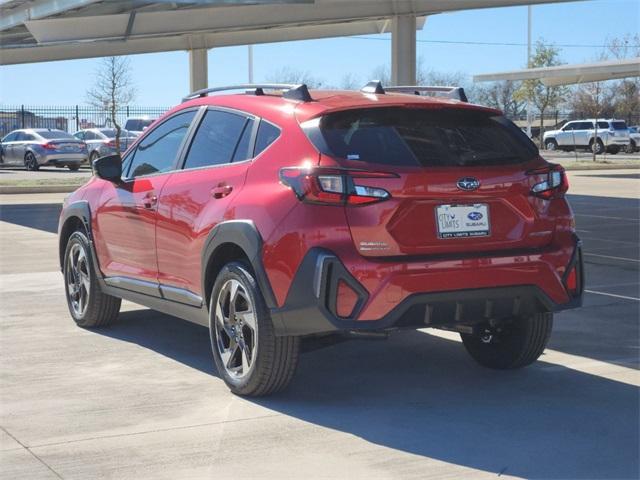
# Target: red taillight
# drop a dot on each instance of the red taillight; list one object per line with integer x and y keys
{"x": 554, "y": 184}
{"x": 334, "y": 186}
{"x": 50, "y": 146}
{"x": 110, "y": 143}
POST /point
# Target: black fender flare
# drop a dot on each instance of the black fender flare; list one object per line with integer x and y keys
{"x": 77, "y": 210}
{"x": 245, "y": 235}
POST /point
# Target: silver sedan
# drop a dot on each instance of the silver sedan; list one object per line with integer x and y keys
{"x": 35, "y": 147}
{"x": 102, "y": 141}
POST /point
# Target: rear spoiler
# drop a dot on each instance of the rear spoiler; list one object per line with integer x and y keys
{"x": 455, "y": 93}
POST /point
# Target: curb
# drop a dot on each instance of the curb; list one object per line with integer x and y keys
{"x": 608, "y": 166}
{"x": 10, "y": 189}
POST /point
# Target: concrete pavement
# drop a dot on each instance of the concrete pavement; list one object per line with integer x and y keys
{"x": 142, "y": 399}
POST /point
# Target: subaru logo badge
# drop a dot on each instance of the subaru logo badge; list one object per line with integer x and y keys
{"x": 468, "y": 183}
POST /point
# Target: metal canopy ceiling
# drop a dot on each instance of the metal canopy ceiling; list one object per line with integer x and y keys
{"x": 45, "y": 30}
{"x": 571, "y": 74}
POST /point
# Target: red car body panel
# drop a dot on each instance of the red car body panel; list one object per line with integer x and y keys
{"x": 531, "y": 243}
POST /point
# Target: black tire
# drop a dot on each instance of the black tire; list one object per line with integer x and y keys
{"x": 551, "y": 144}
{"x": 30, "y": 162}
{"x": 519, "y": 344}
{"x": 631, "y": 148}
{"x": 613, "y": 150}
{"x": 597, "y": 147}
{"x": 73, "y": 168}
{"x": 101, "y": 309}
{"x": 276, "y": 358}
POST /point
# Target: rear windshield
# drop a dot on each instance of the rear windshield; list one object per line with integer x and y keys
{"x": 55, "y": 134}
{"x": 137, "y": 125}
{"x": 422, "y": 137}
{"x": 619, "y": 125}
{"x": 111, "y": 133}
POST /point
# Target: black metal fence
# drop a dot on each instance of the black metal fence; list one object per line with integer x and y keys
{"x": 69, "y": 118}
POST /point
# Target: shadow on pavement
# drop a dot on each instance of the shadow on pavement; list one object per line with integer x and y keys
{"x": 41, "y": 216}
{"x": 423, "y": 395}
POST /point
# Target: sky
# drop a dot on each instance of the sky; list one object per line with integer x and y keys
{"x": 161, "y": 79}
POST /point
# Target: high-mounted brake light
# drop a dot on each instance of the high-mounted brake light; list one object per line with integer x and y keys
{"x": 334, "y": 186}
{"x": 554, "y": 185}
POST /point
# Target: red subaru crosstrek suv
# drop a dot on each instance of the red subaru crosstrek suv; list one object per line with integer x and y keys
{"x": 276, "y": 214}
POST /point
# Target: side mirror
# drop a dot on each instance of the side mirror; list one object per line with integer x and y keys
{"x": 109, "y": 168}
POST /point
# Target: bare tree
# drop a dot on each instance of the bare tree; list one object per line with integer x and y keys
{"x": 500, "y": 95}
{"x": 113, "y": 89}
{"x": 350, "y": 81}
{"x": 627, "y": 91}
{"x": 382, "y": 73}
{"x": 540, "y": 95}
{"x": 291, "y": 75}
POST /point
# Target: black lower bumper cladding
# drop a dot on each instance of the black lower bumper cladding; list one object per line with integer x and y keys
{"x": 310, "y": 306}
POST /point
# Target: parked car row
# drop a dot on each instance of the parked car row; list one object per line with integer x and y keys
{"x": 36, "y": 147}
{"x": 598, "y": 136}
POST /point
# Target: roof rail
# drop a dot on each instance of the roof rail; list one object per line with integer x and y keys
{"x": 456, "y": 93}
{"x": 291, "y": 91}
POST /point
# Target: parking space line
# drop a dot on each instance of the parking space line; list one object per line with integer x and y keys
{"x": 633, "y": 220}
{"x": 627, "y": 284}
{"x": 608, "y": 240}
{"x": 612, "y": 257}
{"x": 613, "y": 295}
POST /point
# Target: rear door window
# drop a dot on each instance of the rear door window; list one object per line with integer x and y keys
{"x": 422, "y": 137}
{"x": 603, "y": 125}
{"x": 217, "y": 139}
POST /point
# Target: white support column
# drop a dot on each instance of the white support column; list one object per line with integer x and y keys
{"x": 403, "y": 50}
{"x": 198, "y": 69}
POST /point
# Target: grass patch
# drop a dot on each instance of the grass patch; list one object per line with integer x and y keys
{"x": 39, "y": 182}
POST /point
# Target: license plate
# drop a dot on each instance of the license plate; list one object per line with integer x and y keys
{"x": 458, "y": 221}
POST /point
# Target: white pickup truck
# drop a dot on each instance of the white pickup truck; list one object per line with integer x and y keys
{"x": 610, "y": 135}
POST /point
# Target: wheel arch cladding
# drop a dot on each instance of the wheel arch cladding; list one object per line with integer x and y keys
{"x": 233, "y": 240}
{"x": 72, "y": 217}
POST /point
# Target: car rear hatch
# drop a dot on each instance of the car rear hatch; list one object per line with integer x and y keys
{"x": 449, "y": 180}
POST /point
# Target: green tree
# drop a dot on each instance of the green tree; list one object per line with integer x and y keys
{"x": 541, "y": 96}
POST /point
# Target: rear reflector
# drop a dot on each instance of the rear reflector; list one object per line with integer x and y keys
{"x": 346, "y": 300}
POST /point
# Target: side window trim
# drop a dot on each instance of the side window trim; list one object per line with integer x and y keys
{"x": 253, "y": 151}
{"x": 126, "y": 178}
{"x": 196, "y": 125}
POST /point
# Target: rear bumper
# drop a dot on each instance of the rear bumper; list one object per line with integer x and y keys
{"x": 63, "y": 159}
{"x": 532, "y": 286}
{"x": 620, "y": 141}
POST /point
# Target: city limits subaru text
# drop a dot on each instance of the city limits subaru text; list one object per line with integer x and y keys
{"x": 278, "y": 216}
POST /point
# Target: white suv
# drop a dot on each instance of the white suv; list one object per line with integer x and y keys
{"x": 612, "y": 135}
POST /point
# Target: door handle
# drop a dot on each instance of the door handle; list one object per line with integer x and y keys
{"x": 221, "y": 191}
{"x": 150, "y": 200}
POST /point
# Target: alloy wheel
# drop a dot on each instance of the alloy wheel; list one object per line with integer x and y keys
{"x": 31, "y": 162}
{"x": 78, "y": 279}
{"x": 236, "y": 329}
